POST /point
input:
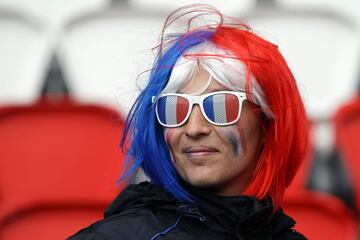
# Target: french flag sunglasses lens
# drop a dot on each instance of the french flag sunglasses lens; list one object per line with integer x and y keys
{"x": 219, "y": 108}
{"x": 222, "y": 108}
{"x": 172, "y": 110}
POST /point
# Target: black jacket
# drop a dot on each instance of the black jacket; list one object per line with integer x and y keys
{"x": 147, "y": 212}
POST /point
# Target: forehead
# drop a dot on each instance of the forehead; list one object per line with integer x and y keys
{"x": 201, "y": 83}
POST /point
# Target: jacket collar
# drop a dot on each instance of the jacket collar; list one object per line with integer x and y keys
{"x": 143, "y": 194}
{"x": 246, "y": 217}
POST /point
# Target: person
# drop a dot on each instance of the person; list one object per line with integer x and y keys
{"x": 220, "y": 130}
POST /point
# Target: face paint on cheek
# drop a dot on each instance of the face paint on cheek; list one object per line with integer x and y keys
{"x": 168, "y": 133}
{"x": 232, "y": 135}
{"x": 242, "y": 138}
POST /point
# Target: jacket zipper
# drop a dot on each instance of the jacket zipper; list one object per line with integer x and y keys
{"x": 193, "y": 212}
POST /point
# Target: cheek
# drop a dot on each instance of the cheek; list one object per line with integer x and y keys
{"x": 233, "y": 136}
{"x": 168, "y": 134}
{"x": 242, "y": 138}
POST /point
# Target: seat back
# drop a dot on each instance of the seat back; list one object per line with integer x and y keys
{"x": 59, "y": 165}
{"x": 25, "y": 49}
{"x": 320, "y": 216}
{"x": 49, "y": 220}
{"x": 347, "y": 131}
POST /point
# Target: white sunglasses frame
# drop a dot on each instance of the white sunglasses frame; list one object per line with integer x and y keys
{"x": 199, "y": 99}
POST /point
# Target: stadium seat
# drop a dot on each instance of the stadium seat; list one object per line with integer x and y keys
{"x": 24, "y": 47}
{"x": 320, "y": 216}
{"x": 347, "y": 131}
{"x": 59, "y": 165}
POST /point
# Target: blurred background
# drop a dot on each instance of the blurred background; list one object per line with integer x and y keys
{"x": 70, "y": 71}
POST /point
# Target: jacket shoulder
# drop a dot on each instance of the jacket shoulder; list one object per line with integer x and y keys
{"x": 87, "y": 236}
{"x": 120, "y": 226}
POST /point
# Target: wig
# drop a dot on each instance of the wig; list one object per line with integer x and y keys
{"x": 240, "y": 60}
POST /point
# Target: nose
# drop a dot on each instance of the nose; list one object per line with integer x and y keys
{"x": 197, "y": 126}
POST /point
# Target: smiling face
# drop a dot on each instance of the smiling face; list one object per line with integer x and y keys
{"x": 219, "y": 158}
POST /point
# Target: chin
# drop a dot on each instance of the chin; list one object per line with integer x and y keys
{"x": 204, "y": 183}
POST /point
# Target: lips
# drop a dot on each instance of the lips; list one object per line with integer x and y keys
{"x": 200, "y": 151}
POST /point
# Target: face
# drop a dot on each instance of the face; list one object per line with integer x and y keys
{"x": 219, "y": 158}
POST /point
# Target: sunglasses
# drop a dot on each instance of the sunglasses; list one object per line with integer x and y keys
{"x": 218, "y": 108}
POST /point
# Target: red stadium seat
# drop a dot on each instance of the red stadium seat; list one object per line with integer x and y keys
{"x": 59, "y": 164}
{"x": 347, "y": 127}
{"x": 320, "y": 216}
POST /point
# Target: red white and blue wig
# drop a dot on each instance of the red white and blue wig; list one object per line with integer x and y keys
{"x": 240, "y": 60}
